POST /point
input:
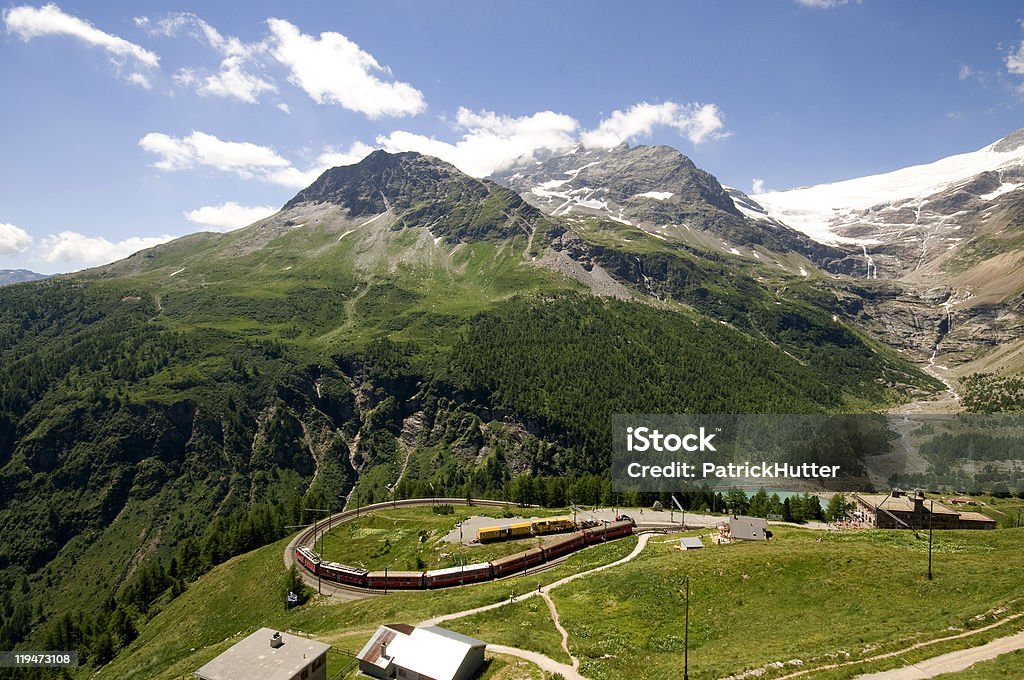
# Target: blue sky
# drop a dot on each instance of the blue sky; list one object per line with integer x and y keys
{"x": 129, "y": 123}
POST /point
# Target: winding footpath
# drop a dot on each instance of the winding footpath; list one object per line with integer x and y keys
{"x": 952, "y": 662}
{"x": 546, "y": 663}
{"x": 641, "y": 542}
{"x": 561, "y": 630}
{"x": 991, "y": 649}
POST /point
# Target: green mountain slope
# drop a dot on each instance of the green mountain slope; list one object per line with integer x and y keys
{"x": 397, "y": 324}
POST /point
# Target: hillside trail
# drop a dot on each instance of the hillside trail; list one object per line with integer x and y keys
{"x": 546, "y": 663}
{"x": 952, "y": 662}
{"x": 1005, "y": 644}
{"x": 640, "y": 544}
{"x": 561, "y": 630}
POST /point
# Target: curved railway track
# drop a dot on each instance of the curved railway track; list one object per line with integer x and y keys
{"x": 307, "y": 537}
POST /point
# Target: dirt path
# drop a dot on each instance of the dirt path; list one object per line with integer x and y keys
{"x": 900, "y": 652}
{"x": 641, "y": 542}
{"x": 562, "y": 631}
{"x": 548, "y": 664}
{"x": 951, "y": 662}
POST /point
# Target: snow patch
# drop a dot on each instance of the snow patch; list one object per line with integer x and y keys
{"x": 1004, "y": 188}
{"x": 176, "y": 273}
{"x": 656, "y": 195}
{"x": 813, "y": 210}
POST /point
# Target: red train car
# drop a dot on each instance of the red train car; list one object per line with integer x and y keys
{"x": 394, "y": 579}
{"x": 606, "y": 532}
{"x": 342, "y": 573}
{"x": 307, "y": 558}
{"x": 518, "y": 562}
{"x": 623, "y": 528}
{"x": 453, "y": 576}
{"x": 564, "y": 545}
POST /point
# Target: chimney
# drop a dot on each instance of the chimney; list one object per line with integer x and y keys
{"x": 383, "y": 649}
{"x": 276, "y": 641}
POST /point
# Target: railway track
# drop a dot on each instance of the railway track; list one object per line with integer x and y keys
{"x": 307, "y": 537}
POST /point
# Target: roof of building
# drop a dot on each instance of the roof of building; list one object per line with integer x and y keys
{"x": 691, "y": 543}
{"x": 431, "y": 651}
{"x": 748, "y": 528}
{"x": 903, "y": 503}
{"x": 975, "y": 517}
{"x": 253, "y": 657}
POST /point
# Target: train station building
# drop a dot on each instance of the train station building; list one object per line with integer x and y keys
{"x": 404, "y": 652}
{"x": 269, "y": 655}
{"x": 900, "y": 510}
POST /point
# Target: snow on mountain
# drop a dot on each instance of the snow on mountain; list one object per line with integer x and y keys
{"x": 821, "y": 211}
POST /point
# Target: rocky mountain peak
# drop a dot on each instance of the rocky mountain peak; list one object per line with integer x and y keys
{"x": 1010, "y": 142}
{"x": 649, "y": 183}
{"x": 384, "y": 181}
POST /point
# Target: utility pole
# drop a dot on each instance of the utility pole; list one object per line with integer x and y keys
{"x": 686, "y": 633}
{"x": 931, "y": 512}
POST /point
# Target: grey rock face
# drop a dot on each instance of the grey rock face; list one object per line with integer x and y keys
{"x": 422, "y": 191}
{"x": 657, "y": 189}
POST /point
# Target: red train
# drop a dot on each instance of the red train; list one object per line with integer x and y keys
{"x": 470, "y": 573}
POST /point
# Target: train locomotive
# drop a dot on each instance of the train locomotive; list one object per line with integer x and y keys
{"x": 469, "y": 573}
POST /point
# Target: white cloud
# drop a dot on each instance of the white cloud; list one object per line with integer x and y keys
{"x": 284, "y": 107}
{"x": 180, "y": 153}
{"x": 822, "y": 4}
{"x": 757, "y": 186}
{"x": 330, "y": 158}
{"x": 245, "y": 159}
{"x": 1015, "y": 61}
{"x": 490, "y": 142}
{"x": 187, "y": 22}
{"x": 87, "y": 251}
{"x": 13, "y": 239}
{"x": 33, "y": 22}
{"x": 234, "y": 81}
{"x": 334, "y": 70}
{"x": 229, "y": 215}
{"x": 965, "y": 72}
{"x": 697, "y": 122}
{"x": 141, "y": 80}
{"x": 235, "y": 78}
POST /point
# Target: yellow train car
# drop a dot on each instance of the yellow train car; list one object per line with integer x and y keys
{"x": 552, "y": 525}
{"x": 521, "y": 529}
{"x": 485, "y": 534}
